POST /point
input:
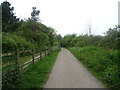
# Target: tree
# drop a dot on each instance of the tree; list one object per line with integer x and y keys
{"x": 59, "y": 38}
{"x": 112, "y": 38}
{"x": 9, "y": 21}
{"x": 67, "y": 40}
{"x": 35, "y": 14}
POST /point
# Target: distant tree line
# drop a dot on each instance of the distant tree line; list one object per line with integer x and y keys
{"x": 111, "y": 40}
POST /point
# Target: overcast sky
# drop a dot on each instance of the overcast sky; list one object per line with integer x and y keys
{"x": 71, "y": 16}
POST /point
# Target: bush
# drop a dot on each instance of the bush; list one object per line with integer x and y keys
{"x": 99, "y": 60}
{"x": 11, "y": 42}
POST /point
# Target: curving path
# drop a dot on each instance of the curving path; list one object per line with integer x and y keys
{"x": 68, "y": 72}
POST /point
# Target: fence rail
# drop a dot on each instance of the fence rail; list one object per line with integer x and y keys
{"x": 25, "y": 64}
{"x": 14, "y": 67}
{"x": 12, "y": 53}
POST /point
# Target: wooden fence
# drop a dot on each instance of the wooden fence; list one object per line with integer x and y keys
{"x": 28, "y": 62}
{"x": 11, "y": 76}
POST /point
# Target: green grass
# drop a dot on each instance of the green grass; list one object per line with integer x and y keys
{"x": 38, "y": 73}
{"x": 102, "y": 63}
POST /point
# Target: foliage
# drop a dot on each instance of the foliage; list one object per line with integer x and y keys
{"x": 24, "y": 35}
{"x": 29, "y": 33}
{"x": 9, "y": 21}
{"x": 11, "y": 78}
{"x": 37, "y": 33}
{"x": 66, "y": 41}
{"x": 110, "y": 40}
{"x": 35, "y": 14}
{"x": 11, "y": 42}
{"x": 99, "y": 60}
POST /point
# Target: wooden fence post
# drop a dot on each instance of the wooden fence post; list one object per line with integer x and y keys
{"x": 45, "y": 51}
{"x": 33, "y": 55}
{"x": 17, "y": 56}
{"x": 48, "y": 50}
{"x": 40, "y": 53}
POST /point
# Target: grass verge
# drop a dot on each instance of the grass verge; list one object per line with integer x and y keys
{"x": 38, "y": 73}
{"x": 101, "y": 63}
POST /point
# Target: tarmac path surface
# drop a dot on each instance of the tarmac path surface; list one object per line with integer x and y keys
{"x": 68, "y": 72}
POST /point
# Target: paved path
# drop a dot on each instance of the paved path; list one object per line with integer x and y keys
{"x": 68, "y": 72}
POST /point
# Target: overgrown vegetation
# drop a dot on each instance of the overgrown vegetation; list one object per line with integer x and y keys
{"x": 103, "y": 63}
{"x": 100, "y": 54}
{"x": 111, "y": 40}
{"x": 38, "y": 73}
{"x": 23, "y": 35}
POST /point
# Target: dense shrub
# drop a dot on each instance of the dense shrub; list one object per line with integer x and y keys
{"x": 10, "y": 42}
{"x": 110, "y": 40}
{"x": 99, "y": 60}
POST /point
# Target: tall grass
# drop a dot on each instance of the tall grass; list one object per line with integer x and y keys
{"x": 102, "y": 63}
